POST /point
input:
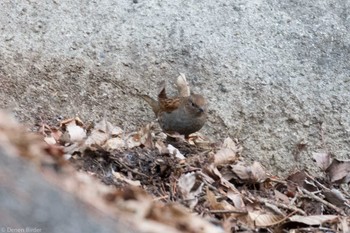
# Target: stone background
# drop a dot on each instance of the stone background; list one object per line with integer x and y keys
{"x": 30, "y": 203}
{"x": 276, "y": 73}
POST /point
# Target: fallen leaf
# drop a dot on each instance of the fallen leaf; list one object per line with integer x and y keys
{"x": 254, "y": 173}
{"x": 314, "y": 219}
{"x": 133, "y": 140}
{"x": 199, "y": 140}
{"x": 76, "y": 121}
{"x": 237, "y": 199}
{"x": 231, "y": 144}
{"x": 175, "y": 152}
{"x": 264, "y": 219}
{"x": 190, "y": 188}
{"x": 335, "y": 197}
{"x": 121, "y": 177}
{"x": 258, "y": 172}
{"x": 55, "y": 133}
{"x": 76, "y": 132}
{"x": 213, "y": 203}
{"x": 50, "y": 140}
{"x": 339, "y": 171}
{"x": 179, "y": 217}
{"x": 225, "y": 156}
{"x": 345, "y": 224}
{"x": 108, "y": 128}
{"x": 96, "y": 137}
{"x": 114, "y": 143}
{"x": 323, "y": 160}
{"x": 300, "y": 178}
{"x": 280, "y": 196}
{"x": 146, "y": 136}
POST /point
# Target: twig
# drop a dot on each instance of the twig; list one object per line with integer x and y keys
{"x": 130, "y": 169}
{"x": 273, "y": 208}
{"x": 285, "y": 218}
{"x": 228, "y": 211}
{"x": 317, "y": 183}
{"x": 313, "y": 196}
{"x": 161, "y": 198}
{"x": 281, "y": 205}
{"x": 315, "y": 229}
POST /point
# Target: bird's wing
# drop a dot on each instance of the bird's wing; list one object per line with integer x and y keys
{"x": 169, "y": 105}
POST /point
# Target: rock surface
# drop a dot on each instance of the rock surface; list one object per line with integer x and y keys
{"x": 28, "y": 203}
{"x": 276, "y": 74}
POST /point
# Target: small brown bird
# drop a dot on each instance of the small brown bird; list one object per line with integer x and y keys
{"x": 184, "y": 115}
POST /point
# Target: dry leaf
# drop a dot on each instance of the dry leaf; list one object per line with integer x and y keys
{"x": 155, "y": 227}
{"x": 131, "y": 201}
{"x": 146, "y": 136}
{"x": 96, "y": 138}
{"x": 121, "y": 177}
{"x": 314, "y": 219}
{"x": 55, "y": 133}
{"x": 254, "y": 173}
{"x": 105, "y": 135}
{"x": 189, "y": 188}
{"x": 335, "y": 197}
{"x": 133, "y": 140}
{"x": 50, "y": 140}
{"x": 114, "y": 143}
{"x": 225, "y": 156}
{"x": 76, "y": 121}
{"x": 186, "y": 183}
{"x": 160, "y": 145}
{"x": 213, "y": 203}
{"x": 264, "y": 219}
{"x": 102, "y": 126}
{"x": 301, "y": 179}
{"x": 213, "y": 171}
{"x": 76, "y": 132}
{"x": 323, "y": 160}
{"x": 259, "y": 173}
{"x": 199, "y": 140}
{"x": 339, "y": 171}
{"x": 142, "y": 137}
{"x": 345, "y": 224}
{"x": 179, "y": 217}
{"x": 175, "y": 152}
{"x": 280, "y": 196}
{"x": 231, "y": 144}
{"x": 107, "y": 127}
{"x": 237, "y": 199}
{"x": 15, "y": 139}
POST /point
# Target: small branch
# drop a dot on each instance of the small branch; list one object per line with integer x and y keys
{"x": 129, "y": 169}
{"x": 313, "y": 196}
{"x": 228, "y": 211}
{"x": 161, "y": 198}
{"x": 281, "y": 205}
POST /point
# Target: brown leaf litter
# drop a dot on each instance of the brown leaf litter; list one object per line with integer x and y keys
{"x": 176, "y": 185}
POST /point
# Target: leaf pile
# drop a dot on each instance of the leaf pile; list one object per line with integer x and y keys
{"x": 167, "y": 184}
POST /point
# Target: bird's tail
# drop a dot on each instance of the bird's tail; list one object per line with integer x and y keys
{"x": 153, "y": 103}
{"x": 162, "y": 93}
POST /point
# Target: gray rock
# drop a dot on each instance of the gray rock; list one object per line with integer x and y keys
{"x": 28, "y": 203}
{"x": 276, "y": 73}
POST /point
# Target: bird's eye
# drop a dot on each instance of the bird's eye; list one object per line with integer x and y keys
{"x": 193, "y": 104}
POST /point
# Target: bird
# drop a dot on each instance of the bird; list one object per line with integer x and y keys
{"x": 183, "y": 114}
